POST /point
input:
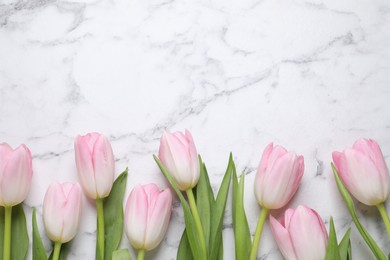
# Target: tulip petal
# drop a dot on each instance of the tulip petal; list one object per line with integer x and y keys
{"x": 371, "y": 149}
{"x": 282, "y": 238}
{"x": 287, "y": 218}
{"x": 297, "y": 174}
{"x": 277, "y": 153}
{"x": 61, "y": 211}
{"x": 152, "y": 192}
{"x": 180, "y": 156}
{"x": 261, "y": 173}
{"x": 378, "y": 159}
{"x": 264, "y": 161}
{"x": 364, "y": 180}
{"x": 91, "y": 139}
{"x": 165, "y": 154}
{"x": 258, "y": 186}
{"x": 71, "y": 211}
{"x": 279, "y": 188}
{"x": 194, "y": 161}
{"x": 181, "y": 137}
{"x": 17, "y": 175}
{"x": 136, "y": 217}
{"x": 307, "y": 233}
{"x": 158, "y": 219}
{"x": 5, "y": 153}
{"x": 84, "y": 165}
{"x": 104, "y": 166}
{"x": 294, "y": 178}
{"x": 341, "y": 165}
{"x": 364, "y": 172}
{"x": 366, "y": 147}
{"x": 53, "y": 204}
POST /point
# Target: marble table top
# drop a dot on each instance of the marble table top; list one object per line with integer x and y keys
{"x": 311, "y": 75}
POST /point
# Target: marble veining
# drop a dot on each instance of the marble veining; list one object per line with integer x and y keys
{"x": 309, "y": 75}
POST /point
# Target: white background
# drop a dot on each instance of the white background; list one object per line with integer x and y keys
{"x": 312, "y": 76}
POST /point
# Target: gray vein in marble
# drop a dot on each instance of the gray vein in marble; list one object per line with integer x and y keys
{"x": 191, "y": 108}
{"x": 344, "y": 40}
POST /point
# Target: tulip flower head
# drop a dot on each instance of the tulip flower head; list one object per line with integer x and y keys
{"x": 363, "y": 171}
{"x": 301, "y": 235}
{"x": 278, "y": 177}
{"x": 178, "y": 154}
{"x": 147, "y": 215}
{"x": 15, "y": 174}
{"x": 95, "y": 164}
{"x": 61, "y": 211}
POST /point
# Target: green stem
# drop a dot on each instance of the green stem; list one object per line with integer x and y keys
{"x": 259, "y": 229}
{"x": 100, "y": 231}
{"x": 385, "y": 217}
{"x": 7, "y": 233}
{"x": 57, "y": 250}
{"x": 141, "y": 254}
{"x": 198, "y": 224}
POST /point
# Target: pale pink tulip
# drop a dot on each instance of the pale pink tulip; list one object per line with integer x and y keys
{"x": 15, "y": 174}
{"x": 95, "y": 164}
{"x": 61, "y": 211}
{"x": 147, "y": 215}
{"x": 364, "y": 172}
{"x": 178, "y": 154}
{"x": 278, "y": 177}
{"x": 301, "y": 235}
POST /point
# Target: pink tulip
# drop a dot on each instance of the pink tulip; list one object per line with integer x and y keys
{"x": 61, "y": 211}
{"x": 147, "y": 215}
{"x": 364, "y": 172}
{"x": 15, "y": 174}
{"x": 301, "y": 235}
{"x": 178, "y": 154}
{"x": 95, "y": 164}
{"x": 278, "y": 177}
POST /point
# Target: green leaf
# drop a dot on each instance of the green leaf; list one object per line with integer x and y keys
{"x": 19, "y": 237}
{"x": 63, "y": 252}
{"x": 204, "y": 201}
{"x": 242, "y": 234}
{"x": 345, "y": 246}
{"x": 122, "y": 254}
{"x": 184, "y": 250}
{"x": 351, "y": 207}
{"x": 349, "y": 257}
{"x": 113, "y": 215}
{"x": 220, "y": 252}
{"x": 192, "y": 233}
{"x": 210, "y": 189}
{"x": 38, "y": 250}
{"x": 332, "y": 250}
{"x": 19, "y": 234}
{"x": 217, "y": 212}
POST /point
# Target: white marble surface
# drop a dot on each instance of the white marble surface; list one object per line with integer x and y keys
{"x": 312, "y": 76}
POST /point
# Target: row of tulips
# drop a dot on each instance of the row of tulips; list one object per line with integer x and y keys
{"x": 301, "y": 234}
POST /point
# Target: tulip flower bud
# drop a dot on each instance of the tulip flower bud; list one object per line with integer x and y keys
{"x": 364, "y": 172}
{"x": 95, "y": 164}
{"x": 178, "y": 154}
{"x": 301, "y": 235}
{"x": 15, "y": 174}
{"x": 147, "y": 215}
{"x": 278, "y": 177}
{"x": 61, "y": 211}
